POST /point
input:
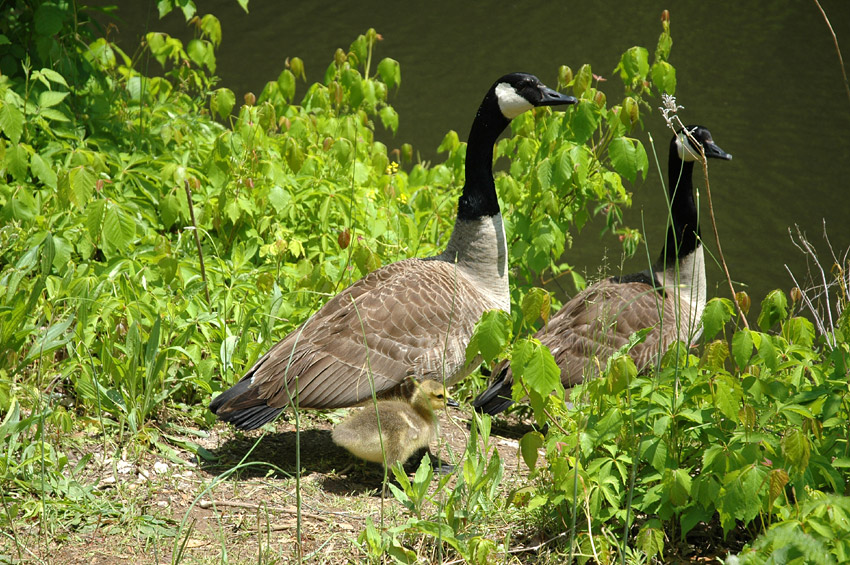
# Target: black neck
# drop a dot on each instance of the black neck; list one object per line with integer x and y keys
{"x": 683, "y": 233}
{"x": 479, "y": 191}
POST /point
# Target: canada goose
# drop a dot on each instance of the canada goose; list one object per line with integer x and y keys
{"x": 404, "y": 428}
{"x": 669, "y": 298}
{"x": 412, "y": 318}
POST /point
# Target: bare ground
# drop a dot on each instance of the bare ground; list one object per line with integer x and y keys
{"x": 183, "y": 506}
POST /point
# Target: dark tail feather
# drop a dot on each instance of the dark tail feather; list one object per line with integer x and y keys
{"x": 497, "y": 397}
{"x": 241, "y": 406}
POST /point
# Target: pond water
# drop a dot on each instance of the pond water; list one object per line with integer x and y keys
{"x": 763, "y": 76}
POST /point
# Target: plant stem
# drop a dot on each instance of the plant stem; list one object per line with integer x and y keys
{"x": 837, "y": 49}
{"x": 197, "y": 241}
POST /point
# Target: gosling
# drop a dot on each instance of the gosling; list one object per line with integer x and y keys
{"x": 405, "y": 426}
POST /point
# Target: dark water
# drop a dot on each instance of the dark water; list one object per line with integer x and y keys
{"x": 763, "y": 76}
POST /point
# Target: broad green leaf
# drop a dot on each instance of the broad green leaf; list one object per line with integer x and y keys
{"x": 55, "y": 336}
{"x": 390, "y": 72}
{"x": 774, "y": 308}
{"x": 678, "y": 485}
{"x": 621, "y": 371}
{"x": 714, "y": 355}
{"x": 767, "y": 353}
{"x": 48, "y": 19}
{"x": 280, "y": 198}
{"x": 634, "y": 64}
{"x": 664, "y": 77}
{"x": 50, "y": 98}
{"x": 654, "y": 451}
{"x": 797, "y": 448}
{"x": 212, "y": 28}
{"x": 118, "y": 230}
{"x": 43, "y": 170}
{"x": 536, "y": 304}
{"x": 528, "y": 446}
{"x": 94, "y": 218}
{"x": 650, "y": 539}
{"x": 491, "y": 334}
{"x": 389, "y": 118}
{"x": 534, "y": 364}
{"x": 717, "y": 312}
{"x": 222, "y": 102}
{"x": 583, "y": 121}
{"x": 286, "y": 84}
{"x": 628, "y": 157}
{"x": 742, "y": 348}
{"x": 169, "y": 210}
{"x": 797, "y": 330}
{"x": 82, "y": 186}
{"x": 11, "y": 121}
{"x": 727, "y": 395}
{"x": 17, "y": 162}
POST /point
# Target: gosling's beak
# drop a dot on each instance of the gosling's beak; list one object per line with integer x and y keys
{"x": 554, "y": 98}
{"x": 452, "y": 402}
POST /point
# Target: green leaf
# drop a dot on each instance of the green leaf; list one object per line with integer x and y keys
{"x": 11, "y": 122}
{"x": 43, "y": 171}
{"x": 654, "y": 451}
{"x": 94, "y": 218}
{"x": 528, "y": 446}
{"x": 491, "y": 334}
{"x": 583, "y": 121}
{"x": 169, "y": 210}
{"x": 390, "y": 72}
{"x": 717, "y": 312}
{"x": 280, "y": 198}
{"x": 81, "y": 186}
{"x": 796, "y": 448}
{"x": 118, "y": 230}
{"x": 50, "y": 98}
{"x": 774, "y": 308}
{"x": 48, "y": 19}
{"x": 678, "y": 486}
{"x": 222, "y": 102}
{"x": 742, "y": 348}
{"x": 664, "y": 77}
{"x": 533, "y": 364}
{"x": 727, "y": 396}
{"x": 799, "y": 331}
{"x": 650, "y": 539}
{"x": 634, "y": 65}
{"x": 767, "y": 353}
{"x": 50, "y": 340}
{"x": 536, "y": 304}
{"x": 621, "y": 370}
{"x": 17, "y": 163}
{"x": 628, "y": 157}
{"x": 389, "y": 118}
{"x": 286, "y": 84}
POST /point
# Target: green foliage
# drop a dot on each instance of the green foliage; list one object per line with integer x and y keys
{"x": 747, "y": 444}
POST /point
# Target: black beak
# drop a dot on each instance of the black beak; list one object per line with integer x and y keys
{"x": 714, "y": 152}
{"x": 452, "y": 402}
{"x": 554, "y": 98}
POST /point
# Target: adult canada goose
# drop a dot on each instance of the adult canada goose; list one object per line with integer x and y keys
{"x": 397, "y": 428}
{"x": 669, "y": 298}
{"x": 412, "y": 318}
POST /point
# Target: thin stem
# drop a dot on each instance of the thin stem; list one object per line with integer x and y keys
{"x": 197, "y": 241}
{"x": 741, "y": 314}
{"x": 837, "y": 49}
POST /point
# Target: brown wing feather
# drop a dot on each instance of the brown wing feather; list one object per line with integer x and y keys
{"x": 411, "y": 318}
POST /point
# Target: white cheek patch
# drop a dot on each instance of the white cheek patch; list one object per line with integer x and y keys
{"x": 510, "y": 102}
{"x": 686, "y": 150}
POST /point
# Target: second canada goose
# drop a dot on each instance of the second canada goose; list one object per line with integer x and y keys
{"x": 412, "y": 318}
{"x": 395, "y": 428}
{"x": 669, "y": 298}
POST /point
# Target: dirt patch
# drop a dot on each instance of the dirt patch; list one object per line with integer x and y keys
{"x": 204, "y": 511}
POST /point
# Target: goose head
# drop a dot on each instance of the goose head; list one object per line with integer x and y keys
{"x": 686, "y": 150}
{"x": 516, "y": 93}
